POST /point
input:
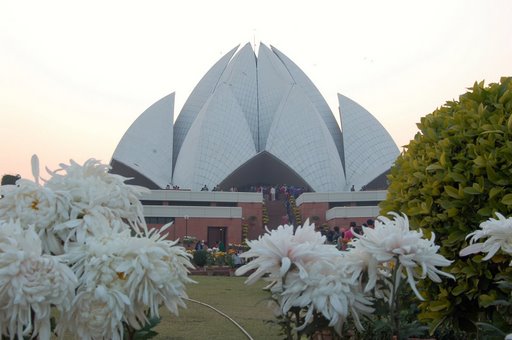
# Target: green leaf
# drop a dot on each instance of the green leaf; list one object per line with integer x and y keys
{"x": 469, "y": 271}
{"x": 485, "y": 299}
{"x": 451, "y": 191}
{"x": 481, "y": 109}
{"x": 488, "y": 327}
{"x": 480, "y": 162}
{"x": 485, "y": 211}
{"x": 495, "y": 190}
{"x": 442, "y": 159}
{"x": 458, "y": 177}
{"x": 452, "y": 212}
{"x": 471, "y": 191}
{"x": 459, "y": 289}
{"x": 507, "y": 96}
{"x": 437, "y": 306}
{"x": 507, "y": 199}
{"x": 434, "y": 166}
{"x": 456, "y": 237}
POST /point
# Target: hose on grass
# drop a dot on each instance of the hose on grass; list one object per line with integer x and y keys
{"x": 224, "y": 315}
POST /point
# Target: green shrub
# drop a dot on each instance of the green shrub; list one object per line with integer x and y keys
{"x": 210, "y": 259}
{"x": 200, "y": 258}
{"x": 229, "y": 260}
{"x": 9, "y": 179}
{"x": 455, "y": 174}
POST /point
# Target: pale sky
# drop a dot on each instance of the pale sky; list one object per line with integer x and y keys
{"x": 75, "y": 75}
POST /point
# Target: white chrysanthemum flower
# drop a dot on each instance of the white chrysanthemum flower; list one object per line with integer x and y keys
{"x": 391, "y": 241}
{"x": 307, "y": 234}
{"x": 270, "y": 251}
{"x": 35, "y": 205}
{"x": 95, "y": 191}
{"x": 498, "y": 233}
{"x": 31, "y": 283}
{"x": 359, "y": 260}
{"x": 95, "y": 260}
{"x": 156, "y": 271}
{"x": 149, "y": 270}
{"x": 90, "y": 225}
{"x": 276, "y": 250}
{"x": 327, "y": 289}
{"x": 96, "y": 314}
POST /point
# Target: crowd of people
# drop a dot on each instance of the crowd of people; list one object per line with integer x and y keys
{"x": 233, "y": 251}
{"x": 218, "y": 246}
{"x": 342, "y": 236}
{"x": 278, "y": 191}
{"x": 271, "y": 192}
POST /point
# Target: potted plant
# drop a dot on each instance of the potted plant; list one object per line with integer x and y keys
{"x": 188, "y": 241}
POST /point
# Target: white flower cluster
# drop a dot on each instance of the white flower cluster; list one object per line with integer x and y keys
{"x": 30, "y": 283}
{"x": 116, "y": 271}
{"x": 122, "y": 278}
{"x": 498, "y": 233}
{"x": 41, "y": 207}
{"x": 318, "y": 278}
{"x": 76, "y": 202}
{"x": 94, "y": 192}
{"x": 499, "y": 236}
{"x": 391, "y": 247}
{"x": 308, "y": 274}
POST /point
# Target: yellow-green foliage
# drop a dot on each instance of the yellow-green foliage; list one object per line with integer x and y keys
{"x": 455, "y": 174}
{"x": 296, "y": 211}
{"x": 265, "y": 217}
{"x": 245, "y": 233}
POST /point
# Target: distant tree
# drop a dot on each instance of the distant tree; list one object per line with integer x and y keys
{"x": 10, "y": 179}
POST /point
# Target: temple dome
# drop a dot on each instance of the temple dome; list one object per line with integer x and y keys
{"x": 255, "y": 120}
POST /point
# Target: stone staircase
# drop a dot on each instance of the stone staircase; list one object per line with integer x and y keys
{"x": 276, "y": 213}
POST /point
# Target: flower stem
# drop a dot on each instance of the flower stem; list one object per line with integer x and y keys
{"x": 130, "y": 332}
{"x": 394, "y": 310}
{"x": 297, "y": 322}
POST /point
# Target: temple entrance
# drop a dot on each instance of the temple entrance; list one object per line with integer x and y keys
{"x": 216, "y": 235}
{"x": 266, "y": 169}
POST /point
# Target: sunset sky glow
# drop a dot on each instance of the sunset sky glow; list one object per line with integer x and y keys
{"x": 75, "y": 75}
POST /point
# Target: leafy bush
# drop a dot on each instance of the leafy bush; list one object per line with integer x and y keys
{"x": 377, "y": 325}
{"x": 456, "y": 173}
{"x": 9, "y": 179}
{"x": 200, "y": 258}
{"x": 229, "y": 260}
{"x": 220, "y": 258}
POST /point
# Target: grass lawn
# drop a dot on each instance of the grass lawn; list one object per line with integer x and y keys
{"x": 245, "y": 304}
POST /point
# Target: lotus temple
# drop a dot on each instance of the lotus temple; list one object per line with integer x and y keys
{"x": 255, "y": 145}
